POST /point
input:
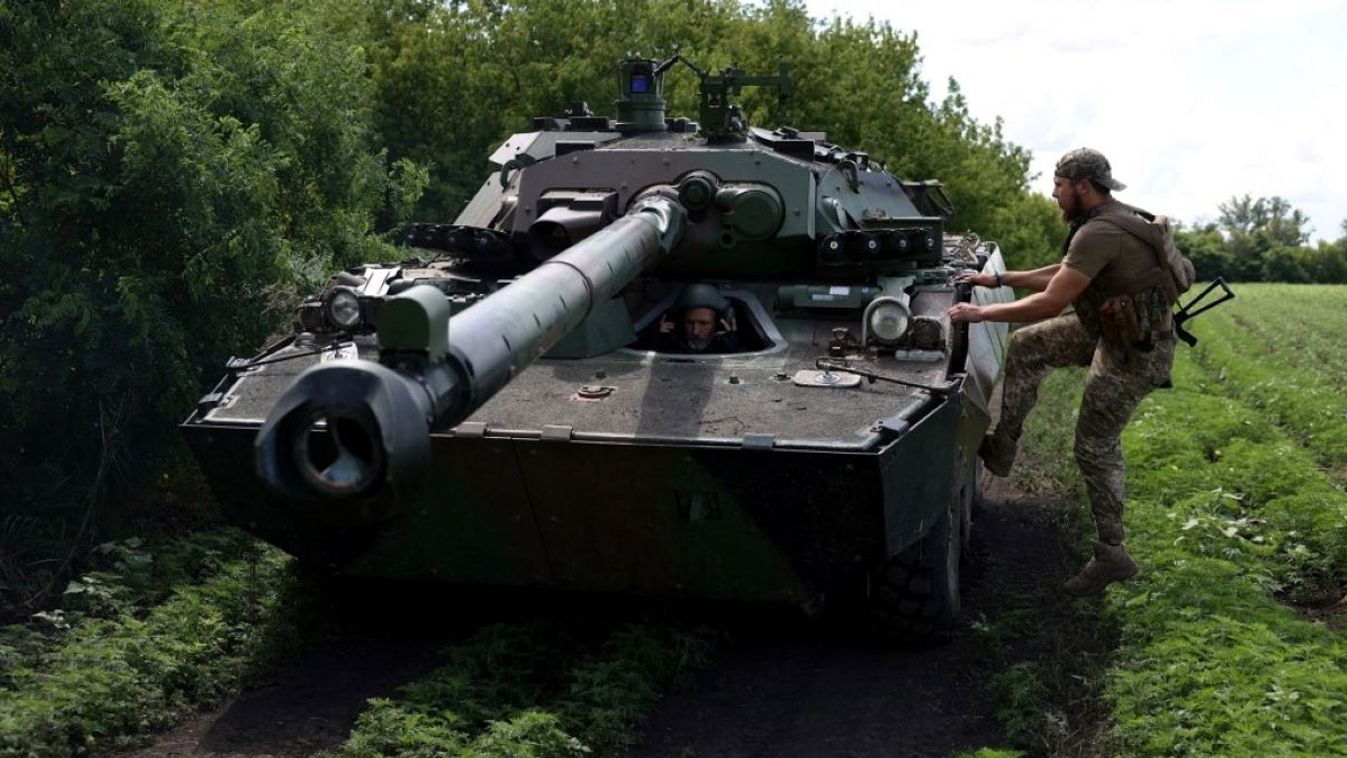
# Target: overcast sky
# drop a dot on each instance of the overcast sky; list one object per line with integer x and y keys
{"x": 1193, "y": 101}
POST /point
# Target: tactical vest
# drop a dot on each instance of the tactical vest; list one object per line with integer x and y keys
{"x": 1136, "y": 312}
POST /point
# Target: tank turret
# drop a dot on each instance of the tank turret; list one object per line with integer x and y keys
{"x": 378, "y": 415}
{"x": 651, "y": 355}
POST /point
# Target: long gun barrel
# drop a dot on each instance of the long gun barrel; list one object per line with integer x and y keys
{"x": 358, "y": 429}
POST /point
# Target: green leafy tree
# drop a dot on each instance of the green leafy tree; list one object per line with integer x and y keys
{"x": 170, "y": 173}
{"x": 1326, "y": 262}
{"x": 1263, "y": 239}
{"x": 1207, "y": 249}
{"x": 1270, "y": 218}
{"x": 1262, "y": 236}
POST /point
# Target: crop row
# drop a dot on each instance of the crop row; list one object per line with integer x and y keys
{"x": 1291, "y": 311}
{"x": 540, "y": 689}
{"x": 1283, "y": 363}
{"x": 1234, "y": 523}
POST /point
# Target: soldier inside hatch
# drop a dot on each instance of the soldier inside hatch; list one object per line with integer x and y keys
{"x": 1110, "y": 266}
{"x": 701, "y": 321}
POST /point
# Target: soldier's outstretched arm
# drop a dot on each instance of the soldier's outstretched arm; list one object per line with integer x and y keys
{"x": 1064, "y": 286}
{"x": 1036, "y": 280}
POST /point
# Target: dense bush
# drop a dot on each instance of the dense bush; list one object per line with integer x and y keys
{"x": 169, "y": 173}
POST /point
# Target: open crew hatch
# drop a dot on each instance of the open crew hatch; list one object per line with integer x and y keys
{"x": 756, "y": 331}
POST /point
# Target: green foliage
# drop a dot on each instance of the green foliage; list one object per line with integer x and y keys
{"x": 530, "y": 690}
{"x": 1228, "y": 514}
{"x": 20, "y": 645}
{"x": 1267, "y": 220}
{"x": 147, "y": 641}
{"x": 129, "y": 575}
{"x": 1022, "y": 701}
{"x": 1263, "y": 239}
{"x": 169, "y": 172}
{"x": 1205, "y": 246}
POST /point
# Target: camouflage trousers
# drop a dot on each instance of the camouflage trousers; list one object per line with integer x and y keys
{"x": 1117, "y": 382}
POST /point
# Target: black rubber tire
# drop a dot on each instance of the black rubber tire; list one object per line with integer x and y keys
{"x": 914, "y": 597}
{"x": 970, "y": 501}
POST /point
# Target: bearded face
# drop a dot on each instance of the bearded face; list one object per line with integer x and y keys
{"x": 1069, "y": 197}
{"x": 700, "y": 326}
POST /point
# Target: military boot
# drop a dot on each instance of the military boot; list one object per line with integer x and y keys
{"x": 997, "y": 453}
{"x": 1110, "y": 563}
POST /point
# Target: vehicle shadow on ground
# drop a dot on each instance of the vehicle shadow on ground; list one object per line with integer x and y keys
{"x": 792, "y": 690}
{"x": 310, "y": 706}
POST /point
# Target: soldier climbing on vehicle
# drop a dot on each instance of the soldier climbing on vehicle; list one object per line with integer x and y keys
{"x": 1115, "y": 273}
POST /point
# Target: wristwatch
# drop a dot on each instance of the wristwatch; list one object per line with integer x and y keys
{"x": 997, "y": 277}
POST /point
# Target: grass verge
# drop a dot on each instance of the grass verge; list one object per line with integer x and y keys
{"x": 152, "y": 636}
{"x": 540, "y": 689}
{"x": 1046, "y": 465}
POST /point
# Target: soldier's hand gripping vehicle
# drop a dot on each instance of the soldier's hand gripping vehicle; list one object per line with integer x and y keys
{"x": 517, "y": 409}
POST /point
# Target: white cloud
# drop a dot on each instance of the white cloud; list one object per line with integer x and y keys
{"x": 1193, "y": 102}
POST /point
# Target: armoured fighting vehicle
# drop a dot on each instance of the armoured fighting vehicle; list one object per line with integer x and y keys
{"x": 536, "y": 400}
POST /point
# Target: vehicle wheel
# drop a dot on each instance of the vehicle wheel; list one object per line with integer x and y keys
{"x": 914, "y": 596}
{"x": 970, "y": 500}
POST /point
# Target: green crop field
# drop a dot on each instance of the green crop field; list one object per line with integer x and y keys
{"x": 1231, "y": 640}
{"x": 1280, "y": 350}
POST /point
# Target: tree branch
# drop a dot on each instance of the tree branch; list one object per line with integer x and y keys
{"x": 109, "y": 427}
{"x": 7, "y": 176}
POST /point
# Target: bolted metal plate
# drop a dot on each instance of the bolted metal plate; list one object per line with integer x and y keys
{"x": 812, "y": 378}
{"x": 593, "y": 393}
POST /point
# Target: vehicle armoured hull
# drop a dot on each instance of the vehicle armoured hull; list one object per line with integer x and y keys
{"x": 709, "y": 518}
{"x": 708, "y": 477}
{"x": 532, "y": 406}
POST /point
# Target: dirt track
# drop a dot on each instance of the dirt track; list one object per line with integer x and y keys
{"x": 307, "y": 707}
{"x": 793, "y": 697}
{"x": 775, "y": 690}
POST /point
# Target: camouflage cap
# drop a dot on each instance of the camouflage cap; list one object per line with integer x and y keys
{"x": 1084, "y": 163}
